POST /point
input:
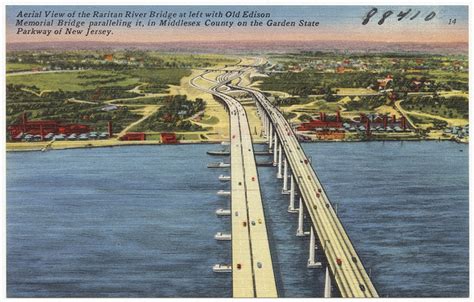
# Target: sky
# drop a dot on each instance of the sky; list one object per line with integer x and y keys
{"x": 336, "y": 23}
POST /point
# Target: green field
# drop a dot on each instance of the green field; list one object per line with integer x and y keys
{"x": 154, "y": 80}
{"x": 158, "y": 79}
{"x": 444, "y": 76}
{"x": 73, "y": 81}
{"x": 194, "y": 60}
{"x": 15, "y": 67}
{"x": 447, "y": 107}
{"x": 424, "y": 120}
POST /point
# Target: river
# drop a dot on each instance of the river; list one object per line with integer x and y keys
{"x": 139, "y": 221}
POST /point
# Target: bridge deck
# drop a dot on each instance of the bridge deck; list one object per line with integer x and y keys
{"x": 344, "y": 263}
{"x": 252, "y": 268}
{"x": 250, "y": 247}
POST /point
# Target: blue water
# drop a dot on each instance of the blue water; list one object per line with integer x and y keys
{"x": 139, "y": 221}
{"x": 114, "y": 222}
{"x": 405, "y": 206}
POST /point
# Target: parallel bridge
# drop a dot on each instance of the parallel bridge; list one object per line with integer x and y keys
{"x": 252, "y": 269}
{"x": 344, "y": 263}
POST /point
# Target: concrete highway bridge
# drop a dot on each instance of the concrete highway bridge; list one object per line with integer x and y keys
{"x": 252, "y": 270}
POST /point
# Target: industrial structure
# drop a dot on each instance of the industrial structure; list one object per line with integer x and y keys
{"x": 42, "y": 128}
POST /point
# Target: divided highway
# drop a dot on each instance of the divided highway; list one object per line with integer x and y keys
{"x": 252, "y": 268}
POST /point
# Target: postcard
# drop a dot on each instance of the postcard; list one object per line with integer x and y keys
{"x": 246, "y": 151}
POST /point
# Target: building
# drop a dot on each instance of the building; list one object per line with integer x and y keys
{"x": 340, "y": 69}
{"x": 44, "y": 127}
{"x": 133, "y": 136}
{"x": 322, "y": 123}
{"x": 312, "y": 125}
{"x": 169, "y": 138}
{"x": 383, "y": 83}
{"x": 109, "y": 57}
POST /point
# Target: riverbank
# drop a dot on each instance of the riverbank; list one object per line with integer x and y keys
{"x": 61, "y": 145}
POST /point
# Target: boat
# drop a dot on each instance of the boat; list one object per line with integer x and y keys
{"x": 223, "y": 193}
{"x": 222, "y": 236}
{"x": 218, "y": 165}
{"x": 222, "y": 212}
{"x": 225, "y": 143}
{"x": 224, "y": 177}
{"x": 219, "y": 152}
{"x": 222, "y": 268}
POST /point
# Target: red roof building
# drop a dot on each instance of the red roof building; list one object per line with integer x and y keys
{"x": 109, "y": 57}
{"x": 169, "y": 138}
{"x": 133, "y": 136}
{"x": 44, "y": 127}
{"x": 312, "y": 125}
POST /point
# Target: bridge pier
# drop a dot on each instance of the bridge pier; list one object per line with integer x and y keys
{"x": 264, "y": 121}
{"x": 312, "y": 254}
{"x": 269, "y": 129}
{"x": 327, "y": 284}
{"x": 285, "y": 176}
{"x": 280, "y": 163}
{"x": 291, "y": 207}
{"x": 265, "y": 125}
{"x": 275, "y": 151}
{"x": 270, "y": 139}
{"x": 300, "y": 230}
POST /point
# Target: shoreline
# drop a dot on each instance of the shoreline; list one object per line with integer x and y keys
{"x": 37, "y": 146}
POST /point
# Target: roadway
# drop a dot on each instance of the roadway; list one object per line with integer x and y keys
{"x": 344, "y": 263}
{"x": 252, "y": 268}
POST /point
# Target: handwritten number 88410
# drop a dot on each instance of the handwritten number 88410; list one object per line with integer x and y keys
{"x": 401, "y": 15}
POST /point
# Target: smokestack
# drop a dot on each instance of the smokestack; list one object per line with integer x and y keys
{"x": 41, "y": 132}
{"x": 109, "y": 126}
{"x": 338, "y": 116}
{"x": 404, "y": 122}
{"x": 321, "y": 116}
{"x": 394, "y": 118}
{"x": 367, "y": 127}
{"x": 385, "y": 121}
